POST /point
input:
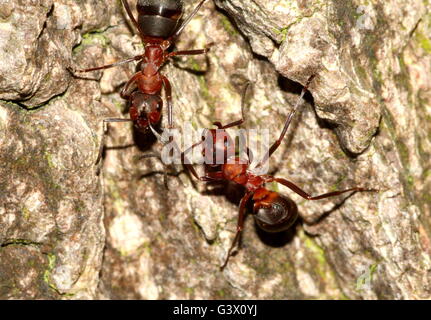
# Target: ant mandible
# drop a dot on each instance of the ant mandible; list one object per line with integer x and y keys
{"x": 272, "y": 211}
{"x": 158, "y": 28}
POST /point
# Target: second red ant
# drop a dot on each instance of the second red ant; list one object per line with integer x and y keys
{"x": 272, "y": 211}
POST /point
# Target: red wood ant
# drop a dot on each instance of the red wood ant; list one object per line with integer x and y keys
{"x": 272, "y": 212}
{"x": 158, "y": 27}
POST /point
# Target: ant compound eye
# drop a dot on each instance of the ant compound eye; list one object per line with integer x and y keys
{"x": 277, "y": 215}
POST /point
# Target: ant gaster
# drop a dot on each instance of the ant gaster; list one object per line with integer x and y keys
{"x": 158, "y": 26}
{"x": 272, "y": 211}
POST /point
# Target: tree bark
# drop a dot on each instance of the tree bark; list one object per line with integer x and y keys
{"x": 68, "y": 233}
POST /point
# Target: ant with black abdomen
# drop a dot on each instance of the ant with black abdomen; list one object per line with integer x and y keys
{"x": 159, "y": 28}
{"x": 272, "y": 211}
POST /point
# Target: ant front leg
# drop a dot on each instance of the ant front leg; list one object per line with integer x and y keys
{"x": 277, "y": 143}
{"x": 209, "y": 176}
{"x": 239, "y": 227}
{"x": 240, "y": 121}
{"x": 128, "y": 87}
{"x": 186, "y": 163}
{"x": 243, "y": 140}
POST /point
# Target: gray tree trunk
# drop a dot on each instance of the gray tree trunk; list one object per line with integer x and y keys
{"x": 68, "y": 233}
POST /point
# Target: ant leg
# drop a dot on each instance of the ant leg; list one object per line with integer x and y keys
{"x": 130, "y": 14}
{"x": 160, "y": 137}
{"x": 184, "y": 161}
{"x": 73, "y": 71}
{"x": 307, "y": 196}
{"x": 183, "y": 158}
{"x": 183, "y": 154}
{"x": 243, "y": 142}
{"x": 187, "y": 163}
{"x": 126, "y": 91}
{"x": 184, "y": 24}
{"x": 277, "y": 143}
{"x": 102, "y": 142}
{"x": 213, "y": 176}
{"x": 191, "y": 52}
{"x": 241, "y": 121}
{"x": 230, "y": 125}
{"x": 163, "y": 141}
{"x": 165, "y": 173}
{"x": 239, "y": 227}
{"x": 209, "y": 176}
{"x": 168, "y": 90}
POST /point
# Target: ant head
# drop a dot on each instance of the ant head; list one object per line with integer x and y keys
{"x": 273, "y": 212}
{"x": 219, "y": 146}
{"x": 145, "y": 108}
{"x": 159, "y": 18}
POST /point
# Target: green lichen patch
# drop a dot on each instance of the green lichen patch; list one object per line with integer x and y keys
{"x": 228, "y": 26}
{"x": 21, "y": 264}
{"x": 52, "y": 260}
{"x": 51, "y": 265}
{"x": 319, "y": 265}
{"x": 26, "y": 213}
{"x": 282, "y": 33}
{"x": 424, "y": 41}
{"x": 94, "y": 37}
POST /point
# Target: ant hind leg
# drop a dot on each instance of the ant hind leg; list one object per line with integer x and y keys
{"x": 239, "y": 228}
{"x": 307, "y": 196}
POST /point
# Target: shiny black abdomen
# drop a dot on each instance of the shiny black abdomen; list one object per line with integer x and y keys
{"x": 279, "y": 216}
{"x": 159, "y": 18}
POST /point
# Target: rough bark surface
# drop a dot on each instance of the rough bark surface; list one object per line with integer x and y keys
{"x": 68, "y": 233}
